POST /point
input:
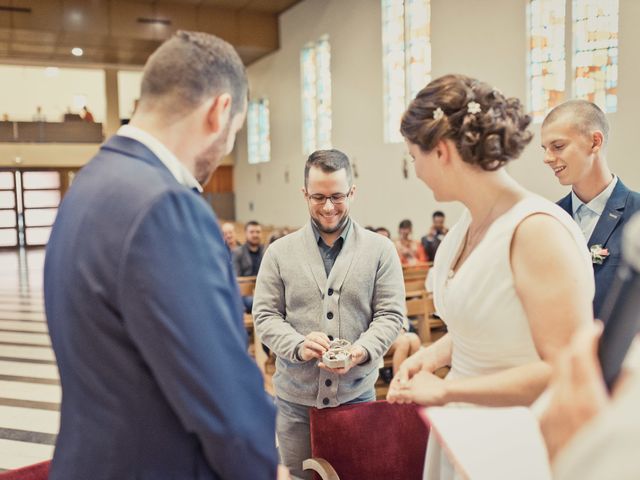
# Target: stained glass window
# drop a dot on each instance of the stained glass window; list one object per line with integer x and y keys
{"x": 315, "y": 63}
{"x": 595, "y": 52}
{"x": 406, "y": 51}
{"x": 547, "y": 66}
{"x": 258, "y": 134}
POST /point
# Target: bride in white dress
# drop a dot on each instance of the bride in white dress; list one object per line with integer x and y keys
{"x": 512, "y": 279}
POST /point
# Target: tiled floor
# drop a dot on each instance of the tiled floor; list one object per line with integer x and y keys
{"x": 29, "y": 385}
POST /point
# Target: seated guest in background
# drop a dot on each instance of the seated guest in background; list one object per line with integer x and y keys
{"x": 229, "y": 234}
{"x": 431, "y": 241}
{"x": 5, "y": 117}
{"x": 332, "y": 279}
{"x": 409, "y": 250}
{"x": 574, "y": 138}
{"x": 507, "y": 312}
{"x": 87, "y": 116}
{"x": 247, "y": 258}
{"x": 140, "y": 297}
{"x": 384, "y": 232}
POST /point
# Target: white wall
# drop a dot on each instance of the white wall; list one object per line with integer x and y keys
{"x": 129, "y": 82}
{"x": 486, "y": 39}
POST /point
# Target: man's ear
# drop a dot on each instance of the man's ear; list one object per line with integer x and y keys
{"x": 597, "y": 138}
{"x": 219, "y": 113}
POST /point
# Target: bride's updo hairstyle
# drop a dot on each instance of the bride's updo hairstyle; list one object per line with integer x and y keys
{"x": 487, "y": 128}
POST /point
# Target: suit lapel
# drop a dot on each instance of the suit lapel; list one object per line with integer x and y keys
{"x": 611, "y": 215}
{"x": 315, "y": 260}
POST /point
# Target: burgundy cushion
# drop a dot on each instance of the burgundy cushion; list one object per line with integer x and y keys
{"x": 38, "y": 471}
{"x": 375, "y": 440}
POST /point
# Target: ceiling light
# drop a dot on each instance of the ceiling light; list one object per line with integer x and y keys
{"x": 77, "y": 51}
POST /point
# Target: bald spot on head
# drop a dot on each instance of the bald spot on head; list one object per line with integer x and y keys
{"x": 584, "y": 116}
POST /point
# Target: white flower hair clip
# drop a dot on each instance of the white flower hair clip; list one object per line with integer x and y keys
{"x": 474, "y": 107}
{"x": 438, "y": 114}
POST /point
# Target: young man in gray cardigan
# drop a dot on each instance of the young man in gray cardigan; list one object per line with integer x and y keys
{"x": 330, "y": 279}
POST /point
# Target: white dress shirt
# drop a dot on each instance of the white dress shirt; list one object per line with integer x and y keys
{"x": 587, "y": 215}
{"x": 175, "y": 166}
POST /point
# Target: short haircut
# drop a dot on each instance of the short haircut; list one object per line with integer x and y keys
{"x": 190, "y": 67}
{"x": 328, "y": 161}
{"x": 584, "y": 115}
{"x": 406, "y": 223}
{"x": 437, "y": 213}
{"x": 251, "y": 223}
{"x": 382, "y": 229}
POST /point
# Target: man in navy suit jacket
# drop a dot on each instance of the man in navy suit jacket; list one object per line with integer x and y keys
{"x": 574, "y": 137}
{"x": 143, "y": 309}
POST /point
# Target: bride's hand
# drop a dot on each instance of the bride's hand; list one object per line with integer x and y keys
{"x": 410, "y": 367}
{"x": 424, "y": 388}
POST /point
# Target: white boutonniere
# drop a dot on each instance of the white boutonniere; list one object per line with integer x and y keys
{"x": 598, "y": 254}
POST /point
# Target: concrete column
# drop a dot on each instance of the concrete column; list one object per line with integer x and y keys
{"x": 112, "y": 122}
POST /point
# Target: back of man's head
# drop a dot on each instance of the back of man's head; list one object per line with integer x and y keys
{"x": 251, "y": 223}
{"x": 189, "y": 68}
{"x": 585, "y": 116}
{"x": 328, "y": 161}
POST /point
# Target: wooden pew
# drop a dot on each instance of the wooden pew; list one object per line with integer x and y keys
{"x": 415, "y": 277}
{"x": 247, "y": 286}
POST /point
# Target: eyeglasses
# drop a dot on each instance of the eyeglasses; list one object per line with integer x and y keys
{"x": 336, "y": 198}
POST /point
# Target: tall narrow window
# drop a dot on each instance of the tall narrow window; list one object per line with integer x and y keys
{"x": 315, "y": 63}
{"x": 595, "y": 52}
{"x": 547, "y": 66}
{"x": 258, "y": 135}
{"x": 406, "y": 51}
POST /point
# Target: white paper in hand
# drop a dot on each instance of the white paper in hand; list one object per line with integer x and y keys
{"x": 491, "y": 443}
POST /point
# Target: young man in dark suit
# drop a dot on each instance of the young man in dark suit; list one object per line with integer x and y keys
{"x": 574, "y": 138}
{"x": 143, "y": 308}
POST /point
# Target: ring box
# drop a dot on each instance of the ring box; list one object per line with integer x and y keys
{"x": 338, "y": 355}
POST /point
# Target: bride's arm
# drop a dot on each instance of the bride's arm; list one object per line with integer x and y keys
{"x": 556, "y": 289}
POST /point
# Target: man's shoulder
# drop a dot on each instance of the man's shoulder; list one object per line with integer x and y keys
{"x": 635, "y": 199}
{"x": 631, "y": 197}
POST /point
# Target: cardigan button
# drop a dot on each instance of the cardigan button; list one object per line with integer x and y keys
{"x": 330, "y": 292}
{"x": 325, "y": 401}
{"x": 329, "y": 315}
